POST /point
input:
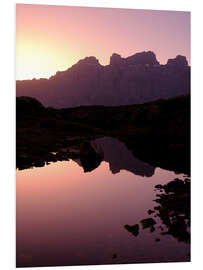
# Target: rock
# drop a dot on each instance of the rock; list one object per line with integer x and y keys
{"x": 89, "y": 60}
{"x": 25, "y": 103}
{"x": 133, "y": 229}
{"x": 176, "y": 185}
{"x": 27, "y": 106}
{"x": 89, "y": 158}
{"x": 150, "y": 211}
{"x": 136, "y": 79}
{"x": 159, "y": 186}
{"x": 115, "y": 59}
{"x": 39, "y": 163}
{"x": 144, "y": 58}
{"x": 148, "y": 223}
{"x": 161, "y": 228}
{"x": 174, "y": 210}
{"x": 179, "y": 60}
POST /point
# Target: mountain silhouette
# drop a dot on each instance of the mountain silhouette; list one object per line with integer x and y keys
{"x": 133, "y": 80}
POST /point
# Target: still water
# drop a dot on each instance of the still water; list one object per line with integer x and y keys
{"x": 67, "y": 217}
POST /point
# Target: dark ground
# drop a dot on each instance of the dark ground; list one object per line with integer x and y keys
{"x": 156, "y": 132}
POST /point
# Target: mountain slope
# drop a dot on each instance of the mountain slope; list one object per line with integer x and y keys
{"x": 133, "y": 80}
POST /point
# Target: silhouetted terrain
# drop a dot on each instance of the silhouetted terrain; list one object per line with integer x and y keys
{"x": 173, "y": 208}
{"x": 157, "y": 132}
{"x": 133, "y": 80}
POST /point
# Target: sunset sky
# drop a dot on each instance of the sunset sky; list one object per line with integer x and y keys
{"x": 52, "y": 38}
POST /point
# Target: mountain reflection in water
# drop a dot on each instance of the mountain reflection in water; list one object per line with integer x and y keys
{"x": 120, "y": 158}
{"x": 68, "y": 217}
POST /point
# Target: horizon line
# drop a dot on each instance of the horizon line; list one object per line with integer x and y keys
{"x": 58, "y": 71}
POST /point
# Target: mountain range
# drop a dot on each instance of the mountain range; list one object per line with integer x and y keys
{"x": 136, "y": 79}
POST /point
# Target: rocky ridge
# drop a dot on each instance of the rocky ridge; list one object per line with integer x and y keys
{"x": 136, "y": 79}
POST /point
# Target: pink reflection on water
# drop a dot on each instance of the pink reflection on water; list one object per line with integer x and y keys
{"x": 66, "y": 217}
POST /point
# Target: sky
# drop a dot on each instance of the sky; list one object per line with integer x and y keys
{"x": 53, "y": 38}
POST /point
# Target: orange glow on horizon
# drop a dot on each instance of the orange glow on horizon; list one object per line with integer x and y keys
{"x": 43, "y": 60}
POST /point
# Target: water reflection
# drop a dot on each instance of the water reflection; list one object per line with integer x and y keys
{"x": 120, "y": 158}
{"x": 89, "y": 155}
{"x": 90, "y": 158}
{"x": 116, "y": 154}
{"x": 68, "y": 217}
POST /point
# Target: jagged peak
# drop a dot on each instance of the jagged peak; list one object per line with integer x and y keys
{"x": 89, "y": 60}
{"x": 179, "y": 60}
{"x": 145, "y": 57}
{"x": 115, "y": 59}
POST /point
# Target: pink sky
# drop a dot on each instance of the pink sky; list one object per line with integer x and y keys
{"x": 52, "y": 38}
